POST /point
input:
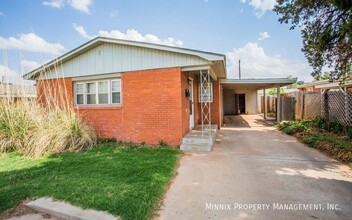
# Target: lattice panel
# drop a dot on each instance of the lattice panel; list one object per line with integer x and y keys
{"x": 312, "y": 108}
{"x": 348, "y": 108}
{"x": 205, "y": 84}
{"x": 336, "y": 103}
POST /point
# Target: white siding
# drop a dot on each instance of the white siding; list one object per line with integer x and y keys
{"x": 112, "y": 58}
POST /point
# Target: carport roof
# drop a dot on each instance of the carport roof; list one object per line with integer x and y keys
{"x": 257, "y": 83}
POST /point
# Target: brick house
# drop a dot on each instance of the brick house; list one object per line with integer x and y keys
{"x": 135, "y": 91}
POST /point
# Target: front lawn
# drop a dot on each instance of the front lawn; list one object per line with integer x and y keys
{"x": 124, "y": 181}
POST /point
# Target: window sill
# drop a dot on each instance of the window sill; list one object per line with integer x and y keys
{"x": 92, "y": 107}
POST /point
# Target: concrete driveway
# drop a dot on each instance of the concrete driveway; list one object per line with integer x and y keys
{"x": 256, "y": 172}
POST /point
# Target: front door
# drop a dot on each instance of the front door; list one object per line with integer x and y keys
{"x": 191, "y": 104}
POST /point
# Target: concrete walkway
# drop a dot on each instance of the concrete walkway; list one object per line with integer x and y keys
{"x": 256, "y": 172}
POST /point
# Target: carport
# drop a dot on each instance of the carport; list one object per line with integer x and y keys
{"x": 240, "y": 96}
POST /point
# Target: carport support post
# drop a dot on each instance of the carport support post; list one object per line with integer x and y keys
{"x": 278, "y": 105}
{"x": 264, "y": 103}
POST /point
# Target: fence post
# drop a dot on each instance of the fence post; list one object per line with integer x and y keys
{"x": 348, "y": 108}
{"x": 278, "y": 105}
{"x": 303, "y": 105}
{"x": 325, "y": 105}
{"x": 264, "y": 104}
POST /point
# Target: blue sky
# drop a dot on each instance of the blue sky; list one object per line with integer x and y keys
{"x": 34, "y": 32}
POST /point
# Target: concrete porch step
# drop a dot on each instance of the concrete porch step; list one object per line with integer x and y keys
{"x": 194, "y": 141}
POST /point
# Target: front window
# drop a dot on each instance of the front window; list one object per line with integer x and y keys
{"x": 115, "y": 91}
{"x": 91, "y": 93}
{"x": 102, "y": 92}
{"x": 79, "y": 93}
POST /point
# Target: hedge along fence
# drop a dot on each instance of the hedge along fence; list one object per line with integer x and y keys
{"x": 51, "y": 125}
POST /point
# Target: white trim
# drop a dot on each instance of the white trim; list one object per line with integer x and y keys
{"x": 96, "y": 82}
{"x": 195, "y": 68}
{"x": 97, "y": 77}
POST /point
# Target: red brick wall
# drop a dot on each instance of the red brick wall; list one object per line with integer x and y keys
{"x": 152, "y": 106}
{"x": 215, "y": 106}
{"x": 53, "y": 92}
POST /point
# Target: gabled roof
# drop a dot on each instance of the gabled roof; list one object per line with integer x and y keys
{"x": 212, "y": 57}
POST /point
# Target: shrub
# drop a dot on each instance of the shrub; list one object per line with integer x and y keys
{"x": 320, "y": 123}
{"x": 349, "y": 132}
{"x": 293, "y": 127}
{"x": 335, "y": 127}
{"x": 106, "y": 140}
{"x": 163, "y": 143}
{"x": 29, "y": 128}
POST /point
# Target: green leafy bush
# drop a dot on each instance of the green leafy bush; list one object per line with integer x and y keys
{"x": 292, "y": 127}
{"x": 349, "y": 132}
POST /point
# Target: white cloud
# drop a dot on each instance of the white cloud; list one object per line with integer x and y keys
{"x": 260, "y": 6}
{"x": 263, "y": 35}
{"x": 31, "y": 42}
{"x": 130, "y": 34}
{"x": 113, "y": 13}
{"x": 255, "y": 63}
{"x": 28, "y": 66}
{"x": 2, "y": 13}
{"x": 10, "y": 76}
{"x": 81, "y": 5}
{"x": 80, "y": 29}
{"x": 134, "y": 35}
{"x": 54, "y": 3}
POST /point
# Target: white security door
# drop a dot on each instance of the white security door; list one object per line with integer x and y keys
{"x": 191, "y": 104}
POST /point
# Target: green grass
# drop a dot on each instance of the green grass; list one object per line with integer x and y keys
{"x": 124, "y": 181}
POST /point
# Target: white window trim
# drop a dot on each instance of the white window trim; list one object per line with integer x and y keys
{"x": 86, "y": 93}
{"x": 110, "y": 84}
{"x": 83, "y": 85}
{"x": 97, "y": 92}
{"x": 211, "y": 93}
{"x": 97, "y": 85}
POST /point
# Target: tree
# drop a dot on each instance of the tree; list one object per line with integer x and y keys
{"x": 274, "y": 91}
{"x": 326, "y": 28}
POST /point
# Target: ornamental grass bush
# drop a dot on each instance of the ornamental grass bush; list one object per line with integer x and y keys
{"x": 34, "y": 130}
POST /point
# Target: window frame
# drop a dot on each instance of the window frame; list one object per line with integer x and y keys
{"x": 108, "y": 91}
{"x": 85, "y": 83}
{"x": 111, "y": 91}
{"x": 86, "y": 93}
{"x": 76, "y": 93}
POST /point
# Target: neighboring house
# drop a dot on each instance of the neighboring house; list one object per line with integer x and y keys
{"x": 17, "y": 91}
{"x": 312, "y": 86}
{"x": 144, "y": 92}
{"x": 320, "y": 86}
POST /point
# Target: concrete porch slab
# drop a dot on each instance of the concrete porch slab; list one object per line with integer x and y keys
{"x": 194, "y": 141}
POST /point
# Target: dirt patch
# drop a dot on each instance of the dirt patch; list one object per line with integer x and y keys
{"x": 22, "y": 210}
{"x": 328, "y": 148}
